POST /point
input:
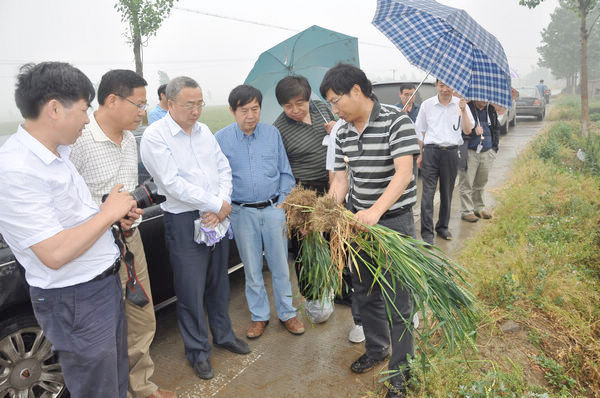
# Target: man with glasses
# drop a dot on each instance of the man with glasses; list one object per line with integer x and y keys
{"x": 380, "y": 144}
{"x": 189, "y": 168}
{"x": 106, "y": 155}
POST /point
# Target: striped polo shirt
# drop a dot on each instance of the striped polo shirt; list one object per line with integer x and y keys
{"x": 304, "y": 143}
{"x": 389, "y": 134}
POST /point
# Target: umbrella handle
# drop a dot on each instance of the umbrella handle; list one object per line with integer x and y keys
{"x": 458, "y": 124}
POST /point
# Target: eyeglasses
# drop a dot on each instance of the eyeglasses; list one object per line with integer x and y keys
{"x": 335, "y": 101}
{"x": 141, "y": 107}
{"x": 190, "y": 106}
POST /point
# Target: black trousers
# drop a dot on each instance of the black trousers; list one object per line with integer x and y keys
{"x": 380, "y": 333}
{"x": 438, "y": 164}
{"x": 201, "y": 285}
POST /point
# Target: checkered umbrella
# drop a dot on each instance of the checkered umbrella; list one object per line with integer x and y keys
{"x": 447, "y": 43}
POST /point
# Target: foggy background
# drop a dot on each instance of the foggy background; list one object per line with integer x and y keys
{"x": 219, "y": 50}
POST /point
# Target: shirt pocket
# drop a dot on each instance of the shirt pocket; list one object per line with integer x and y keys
{"x": 269, "y": 165}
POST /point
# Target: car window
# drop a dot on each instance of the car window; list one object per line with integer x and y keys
{"x": 528, "y": 92}
{"x": 387, "y": 93}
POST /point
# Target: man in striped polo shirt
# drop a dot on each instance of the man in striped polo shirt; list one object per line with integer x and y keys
{"x": 381, "y": 145}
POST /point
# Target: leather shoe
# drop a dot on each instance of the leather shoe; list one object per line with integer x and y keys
{"x": 256, "y": 329}
{"x": 446, "y": 235}
{"x": 365, "y": 363}
{"x": 236, "y": 346}
{"x": 203, "y": 370}
{"x": 470, "y": 217}
{"x": 162, "y": 394}
{"x": 294, "y": 325}
{"x": 483, "y": 214}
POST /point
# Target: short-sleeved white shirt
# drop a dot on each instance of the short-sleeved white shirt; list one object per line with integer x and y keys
{"x": 438, "y": 122}
{"x": 41, "y": 195}
{"x": 330, "y": 160}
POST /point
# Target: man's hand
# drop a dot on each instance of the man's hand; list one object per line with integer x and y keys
{"x": 210, "y": 219}
{"x": 462, "y": 104}
{"x": 420, "y": 160}
{"x": 368, "y": 216}
{"x": 118, "y": 204}
{"x": 129, "y": 220}
{"x": 329, "y": 126}
{"x": 479, "y": 130}
{"x": 225, "y": 211}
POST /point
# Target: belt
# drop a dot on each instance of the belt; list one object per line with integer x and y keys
{"x": 113, "y": 269}
{"x": 258, "y": 205}
{"x": 441, "y": 148}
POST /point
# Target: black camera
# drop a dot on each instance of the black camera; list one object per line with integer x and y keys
{"x": 145, "y": 195}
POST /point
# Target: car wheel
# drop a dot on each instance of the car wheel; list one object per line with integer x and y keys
{"x": 28, "y": 367}
{"x": 513, "y": 122}
{"x": 540, "y": 117}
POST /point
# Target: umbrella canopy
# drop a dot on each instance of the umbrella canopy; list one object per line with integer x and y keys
{"x": 450, "y": 45}
{"x": 310, "y": 53}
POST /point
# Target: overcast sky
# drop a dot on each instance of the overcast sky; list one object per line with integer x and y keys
{"x": 220, "y": 51}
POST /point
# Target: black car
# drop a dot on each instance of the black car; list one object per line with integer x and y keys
{"x": 27, "y": 366}
{"x": 530, "y": 102}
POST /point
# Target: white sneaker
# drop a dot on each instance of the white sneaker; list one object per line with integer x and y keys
{"x": 356, "y": 335}
{"x": 416, "y": 320}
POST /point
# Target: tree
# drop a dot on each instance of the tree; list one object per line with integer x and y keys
{"x": 558, "y": 53}
{"x": 143, "y": 18}
{"x": 583, "y": 8}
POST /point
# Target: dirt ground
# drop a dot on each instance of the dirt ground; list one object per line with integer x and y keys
{"x": 317, "y": 363}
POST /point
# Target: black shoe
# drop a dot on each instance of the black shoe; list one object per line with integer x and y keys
{"x": 203, "y": 369}
{"x": 444, "y": 234}
{"x": 236, "y": 346}
{"x": 365, "y": 363}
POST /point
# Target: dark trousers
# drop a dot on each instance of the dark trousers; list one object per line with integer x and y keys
{"x": 86, "y": 325}
{"x": 201, "y": 281}
{"x": 379, "y": 332}
{"x": 438, "y": 164}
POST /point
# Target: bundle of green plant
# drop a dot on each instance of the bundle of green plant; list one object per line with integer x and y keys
{"x": 395, "y": 261}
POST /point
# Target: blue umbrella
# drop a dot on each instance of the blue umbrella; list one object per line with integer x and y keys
{"x": 449, "y": 44}
{"x": 310, "y": 53}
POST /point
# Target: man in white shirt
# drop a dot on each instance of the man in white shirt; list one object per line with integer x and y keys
{"x": 439, "y": 124}
{"x": 106, "y": 155}
{"x": 194, "y": 175}
{"x": 59, "y": 234}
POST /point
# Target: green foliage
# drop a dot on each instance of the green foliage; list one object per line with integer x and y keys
{"x": 216, "y": 117}
{"x": 555, "y": 374}
{"x": 143, "y": 17}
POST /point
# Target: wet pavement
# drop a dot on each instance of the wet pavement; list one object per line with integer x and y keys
{"x": 317, "y": 363}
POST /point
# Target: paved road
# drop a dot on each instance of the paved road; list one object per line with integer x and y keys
{"x": 317, "y": 363}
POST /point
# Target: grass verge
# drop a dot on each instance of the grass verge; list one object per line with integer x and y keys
{"x": 536, "y": 272}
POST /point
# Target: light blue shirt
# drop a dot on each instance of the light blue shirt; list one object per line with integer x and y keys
{"x": 156, "y": 114}
{"x": 189, "y": 169}
{"x": 42, "y": 194}
{"x": 259, "y": 163}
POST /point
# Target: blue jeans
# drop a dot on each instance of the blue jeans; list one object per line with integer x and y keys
{"x": 255, "y": 230}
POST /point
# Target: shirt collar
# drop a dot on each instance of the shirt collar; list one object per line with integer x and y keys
{"x": 240, "y": 134}
{"x": 453, "y": 100}
{"x": 94, "y": 128}
{"x": 39, "y": 149}
{"x": 174, "y": 127}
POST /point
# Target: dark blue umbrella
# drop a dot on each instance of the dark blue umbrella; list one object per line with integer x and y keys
{"x": 310, "y": 53}
{"x": 447, "y": 43}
